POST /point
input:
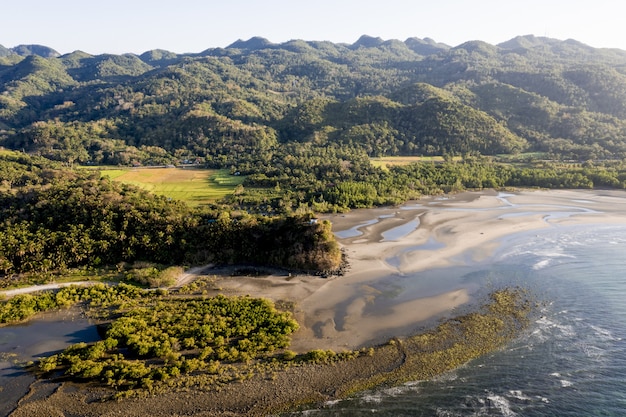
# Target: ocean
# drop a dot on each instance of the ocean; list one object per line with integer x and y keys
{"x": 570, "y": 362}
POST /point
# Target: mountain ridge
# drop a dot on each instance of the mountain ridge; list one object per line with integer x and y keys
{"x": 383, "y": 97}
{"x": 259, "y": 42}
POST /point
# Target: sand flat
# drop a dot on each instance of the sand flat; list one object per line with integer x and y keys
{"x": 437, "y": 232}
{"x": 367, "y": 305}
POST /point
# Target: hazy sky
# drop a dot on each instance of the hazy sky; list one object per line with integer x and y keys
{"x": 120, "y": 26}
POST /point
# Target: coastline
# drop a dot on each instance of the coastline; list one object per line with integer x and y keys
{"x": 353, "y": 311}
{"x": 401, "y": 244}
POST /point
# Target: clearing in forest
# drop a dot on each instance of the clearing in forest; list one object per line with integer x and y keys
{"x": 192, "y": 185}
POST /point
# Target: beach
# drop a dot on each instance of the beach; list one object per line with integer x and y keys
{"x": 388, "y": 292}
{"x": 398, "y": 243}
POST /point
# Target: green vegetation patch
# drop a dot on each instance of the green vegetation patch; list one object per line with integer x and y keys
{"x": 7, "y": 152}
{"x": 192, "y": 185}
{"x": 24, "y": 306}
{"x": 155, "y": 337}
{"x": 385, "y": 162}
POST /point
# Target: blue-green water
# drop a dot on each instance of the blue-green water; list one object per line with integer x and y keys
{"x": 42, "y": 337}
{"x": 571, "y": 362}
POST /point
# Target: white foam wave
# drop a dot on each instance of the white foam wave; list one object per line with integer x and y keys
{"x": 541, "y": 264}
{"x": 372, "y": 398}
{"x": 445, "y": 413}
{"x": 551, "y": 254}
{"x": 519, "y": 395}
{"x": 564, "y": 382}
{"x": 604, "y": 334}
{"x": 548, "y": 328}
{"x": 501, "y": 404}
{"x": 332, "y": 402}
{"x": 544, "y": 251}
{"x": 308, "y": 412}
{"x": 591, "y": 351}
{"x": 394, "y": 391}
{"x": 378, "y": 396}
{"x": 448, "y": 376}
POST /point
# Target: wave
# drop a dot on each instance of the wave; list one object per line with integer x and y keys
{"x": 501, "y": 404}
{"x": 519, "y": 395}
{"x": 541, "y": 264}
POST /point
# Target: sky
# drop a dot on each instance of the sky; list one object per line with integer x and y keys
{"x": 136, "y": 26}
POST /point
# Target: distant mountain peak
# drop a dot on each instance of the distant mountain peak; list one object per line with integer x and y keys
{"x": 524, "y": 42}
{"x": 158, "y": 55}
{"x": 480, "y": 47}
{"x": 254, "y": 43}
{"x": 367, "y": 41}
{"x": 39, "y": 50}
{"x": 426, "y": 46}
{"x": 5, "y": 51}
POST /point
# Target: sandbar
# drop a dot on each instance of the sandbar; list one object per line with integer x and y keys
{"x": 397, "y": 244}
{"x": 388, "y": 249}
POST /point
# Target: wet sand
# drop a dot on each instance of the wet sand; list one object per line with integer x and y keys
{"x": 399, "y": 243}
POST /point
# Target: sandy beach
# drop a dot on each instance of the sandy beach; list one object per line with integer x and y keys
{"x": 390, "y": 248}
{"x": 388, "y": 292}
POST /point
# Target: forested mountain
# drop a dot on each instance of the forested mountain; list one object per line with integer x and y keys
{"x": 299, "y": 121}
{"x": 385, "y": 97}
{"x": 25, "y": 50}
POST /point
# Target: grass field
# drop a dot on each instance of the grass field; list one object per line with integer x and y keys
{"x": 194, "y": 186}
{"x": 385, "y": 161}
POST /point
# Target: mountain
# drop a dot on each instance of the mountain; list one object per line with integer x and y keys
{"x": 252, "y": 44}
{"x": 426, "y": 46}
{"x": 39, "y": 50}
{"x": 366, "y": 41}
{"x": 159, "y": 57}
{"x": 380, "y": 97}
{"x": 5, "y": 51}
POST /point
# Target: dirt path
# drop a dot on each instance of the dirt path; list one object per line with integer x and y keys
{"x": 187, "y": 277}
{"x": 190, "y": 275}
{"x": 44, "y": 287}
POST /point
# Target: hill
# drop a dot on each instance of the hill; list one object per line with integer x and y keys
{"x": 387, "y": 97}
{"x": 293, "y": 128}
{"x": 302, "y": 118}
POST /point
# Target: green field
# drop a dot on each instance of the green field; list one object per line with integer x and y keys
{"x": 192, "y": 185}
{"x": 386, "y": 161}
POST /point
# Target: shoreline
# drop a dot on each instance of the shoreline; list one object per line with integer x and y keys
{"x": 368, "y": 306}
{"x": 392, "y": 248}
{"x": 281, "y": 389}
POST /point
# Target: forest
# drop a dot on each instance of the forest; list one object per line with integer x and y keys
{"x": 239, "y": 106}
{"x": 298, "y": 123}
{"x": 62, "y": 219}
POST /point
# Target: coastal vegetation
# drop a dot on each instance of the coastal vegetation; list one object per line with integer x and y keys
{"x": 64, "y": 219}
{"x": 271, "y": 134}
{"x": 154, "y": 337}
{"x": 157, "y": 341}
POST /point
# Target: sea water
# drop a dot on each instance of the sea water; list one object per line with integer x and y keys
{"x": 570, "y": 362}
{"x": 48, "y": 334}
